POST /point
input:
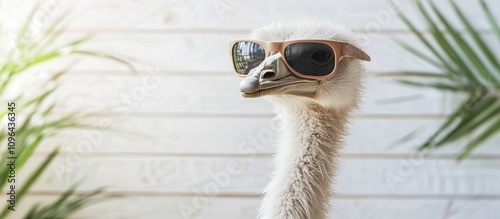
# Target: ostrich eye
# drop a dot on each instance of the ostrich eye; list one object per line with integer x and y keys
{"x": 321, "y": 57}
{"x": 310, "y": 58}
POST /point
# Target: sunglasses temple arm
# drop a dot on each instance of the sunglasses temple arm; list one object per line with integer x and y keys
{"x": 351, "y": 51}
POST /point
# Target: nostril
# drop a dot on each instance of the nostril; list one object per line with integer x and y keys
{"x": 268, "y": 75}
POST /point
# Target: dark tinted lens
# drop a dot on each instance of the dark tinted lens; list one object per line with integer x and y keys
{"x": 246, "y": 56}
{"x": 316, "y": 59}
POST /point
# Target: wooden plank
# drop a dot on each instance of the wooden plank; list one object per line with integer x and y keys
{"x": 216, "y": 207}
{"x": 211, "y": 95}
{"x": 491, "y": 144}
{"x": 477, "y": 209}
{"x": 153, "y": 207}
{"x": 357, "y": 176}
{"x": 235, "y": 207}
{"x": 363, "y": 15}
{"x": 383, "y": 208}
{"x": 218, "y": 136}
{"x": 208, "y": 52}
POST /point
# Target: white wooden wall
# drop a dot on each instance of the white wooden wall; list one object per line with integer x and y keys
{"x": 185, "y": 100}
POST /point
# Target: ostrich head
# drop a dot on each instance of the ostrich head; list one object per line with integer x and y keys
{"x": 273, "y": 79}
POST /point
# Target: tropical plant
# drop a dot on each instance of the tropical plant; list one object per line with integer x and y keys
{"x": 467, "y": 66}
{"x": 17, "y": 58}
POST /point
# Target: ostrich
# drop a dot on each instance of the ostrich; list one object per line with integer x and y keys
{"x": 314, "y": 107}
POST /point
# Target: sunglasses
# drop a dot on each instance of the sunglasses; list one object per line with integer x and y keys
{"x": 310, "y": 59}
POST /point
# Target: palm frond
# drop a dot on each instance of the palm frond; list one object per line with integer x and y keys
{"x": 27, "y": 53}
{"x": 64, "y": 206}
{"x": 469, "y": 68}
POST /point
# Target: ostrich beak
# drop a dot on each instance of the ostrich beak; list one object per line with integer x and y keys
{"x": 272, "y": 77}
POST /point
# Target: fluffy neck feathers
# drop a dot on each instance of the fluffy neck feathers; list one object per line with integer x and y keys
{"x": 305, "y": 162}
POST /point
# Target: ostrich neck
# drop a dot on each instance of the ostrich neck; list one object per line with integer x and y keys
{"x": 305, "y": 163}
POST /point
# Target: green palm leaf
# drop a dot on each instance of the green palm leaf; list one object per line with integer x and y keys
{"x": 30, "y": 134}
{"x": 469, "y": 68}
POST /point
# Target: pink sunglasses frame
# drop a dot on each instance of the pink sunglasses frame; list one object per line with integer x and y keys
{"x": 340, "y": 49}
